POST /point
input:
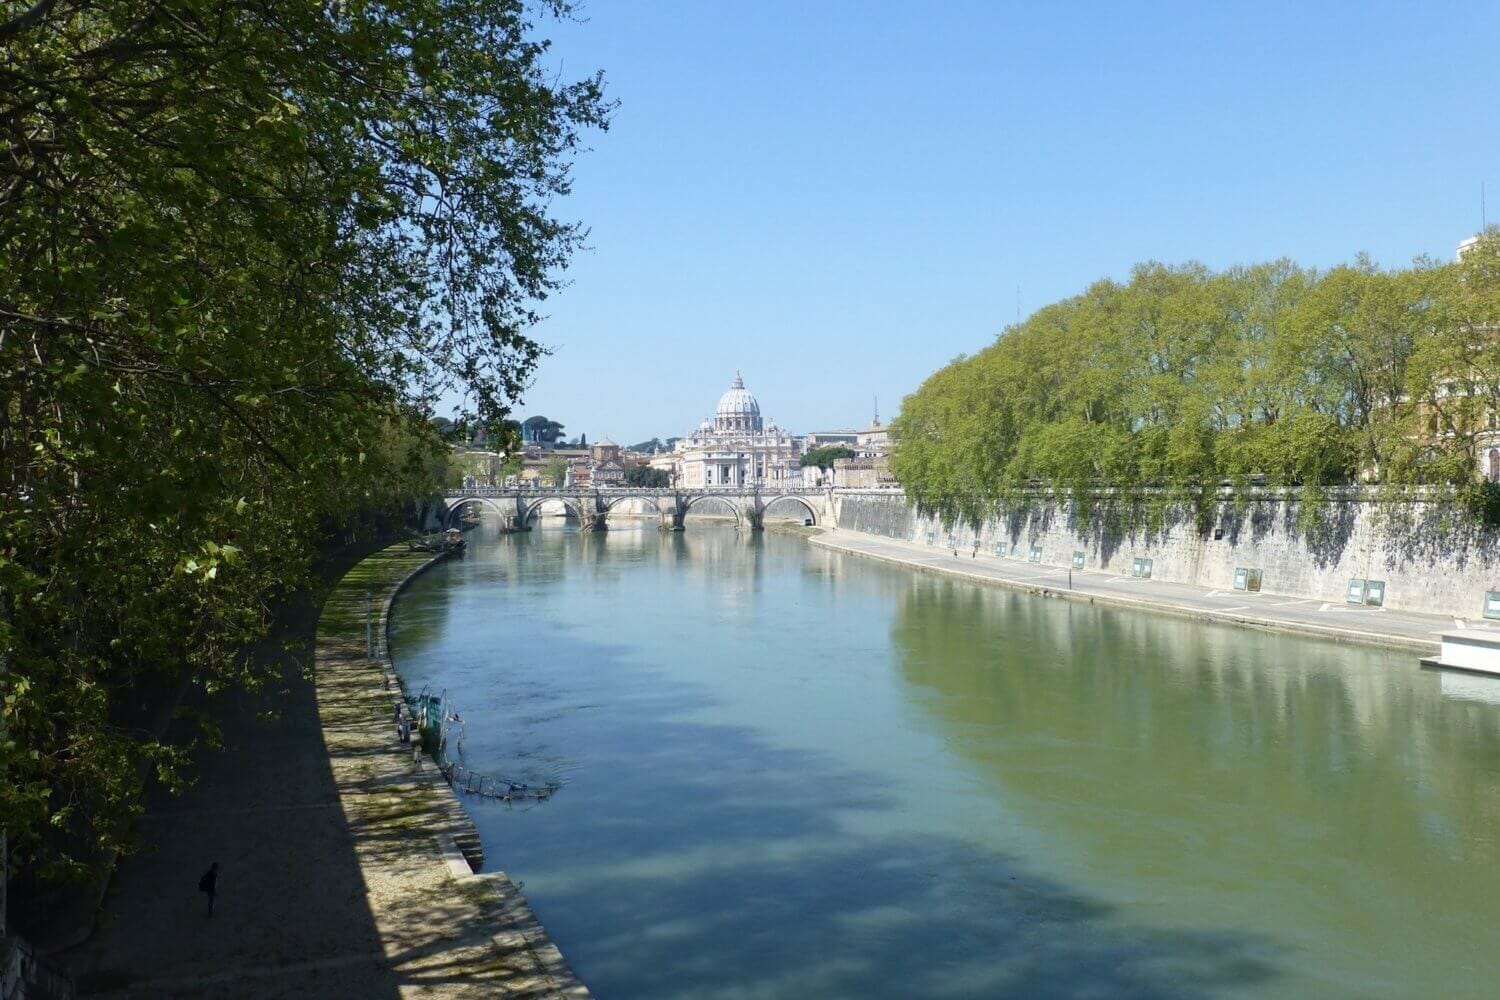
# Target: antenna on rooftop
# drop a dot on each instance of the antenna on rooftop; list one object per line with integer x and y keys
{"x": 1484, "y": 223}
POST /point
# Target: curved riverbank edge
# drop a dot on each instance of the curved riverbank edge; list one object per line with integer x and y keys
{"x": 446, "y": 930}
{"x": 1269, "y": 612}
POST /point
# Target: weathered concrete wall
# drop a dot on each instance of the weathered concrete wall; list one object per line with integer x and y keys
{"x": 876, "y": 514}
{"x": 24, "y": 975}
{"x": 1431, "y": 557}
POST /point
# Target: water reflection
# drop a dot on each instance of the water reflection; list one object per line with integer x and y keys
{"x": 1327, "y": 793}
{"x": 1470, "y": 687}
{"x": 791, "y": 774}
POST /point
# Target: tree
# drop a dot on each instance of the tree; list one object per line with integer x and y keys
{"x": 504, "y": 435}
{"x": 825, "y": 456}
{"x": 650, "y": 447}
{"x": 246, "y": 248}
{"x": 542, "y": 430}
{"x": 556, "y": 471}
{"x": 1182, "y": 379}
{"x": 645, "y": 476}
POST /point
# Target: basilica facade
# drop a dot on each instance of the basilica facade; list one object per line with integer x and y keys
{"x": 736, "y": 448}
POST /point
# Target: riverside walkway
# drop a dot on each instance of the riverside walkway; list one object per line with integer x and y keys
{"x": 339, "y": 872}
{"x": 1278, "y": 612}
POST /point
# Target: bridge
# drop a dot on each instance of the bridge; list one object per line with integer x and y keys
{"x": 516, "y": 505}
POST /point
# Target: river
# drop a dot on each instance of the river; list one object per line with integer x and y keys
{"x": 790, "y": 773}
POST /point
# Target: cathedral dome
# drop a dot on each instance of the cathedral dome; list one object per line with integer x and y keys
{"x": 738, "y": 409}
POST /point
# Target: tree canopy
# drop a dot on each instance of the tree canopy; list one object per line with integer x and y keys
{"x": 1182, "y": 378}
{"x": 540, "y": 428}
{"x": 644, "y": 475}
{"x": 243, "y": 249}
{"x": 825, "y": 456}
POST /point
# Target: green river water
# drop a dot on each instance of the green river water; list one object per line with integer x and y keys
{"x": 789, "y": 773}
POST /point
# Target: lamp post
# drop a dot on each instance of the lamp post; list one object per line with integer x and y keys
{"x": 369, "y": 633}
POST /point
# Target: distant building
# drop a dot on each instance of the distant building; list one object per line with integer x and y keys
{"x": 735, "y": 448}
{"x": 606, "y": 468}
{"x": 864, "y": 473}
{"x": 604, "y": 450}
{"x": 873, "y": 440}
{"x": 481, "y": 468}
{"x": 823, "y": 439}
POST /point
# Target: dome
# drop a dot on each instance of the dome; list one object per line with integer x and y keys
{"x": 738, "y": 409}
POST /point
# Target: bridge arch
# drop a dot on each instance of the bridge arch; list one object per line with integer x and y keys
{"x": 612, "y": 504}
{"x": 456, "y": 504}
{"x": 734, "y": 508}
{"x": 568, "y": 502}
{"x": 794, "y": 499}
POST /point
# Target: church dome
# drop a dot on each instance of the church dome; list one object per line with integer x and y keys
{"x": 738, "y": 409}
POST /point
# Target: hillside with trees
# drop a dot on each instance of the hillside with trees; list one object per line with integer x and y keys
{"x": 1183, "y": 379}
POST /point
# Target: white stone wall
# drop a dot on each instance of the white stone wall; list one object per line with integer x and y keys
{"x": 1432, "y": 558}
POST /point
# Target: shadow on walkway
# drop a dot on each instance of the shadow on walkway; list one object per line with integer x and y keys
{"x": 292, "y": 916}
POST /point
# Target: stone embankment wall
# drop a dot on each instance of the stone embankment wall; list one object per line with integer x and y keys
{"x": 25, "y": 976}
{"x": 1431, "y": 557}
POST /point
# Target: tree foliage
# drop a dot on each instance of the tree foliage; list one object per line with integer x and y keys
{"x": 825, "y": 456}
{"x": 243, "y": 247}
{"x": 1182, "y": 379}
{"x": 542, "y": 429}
{"x": 645, "y": 476}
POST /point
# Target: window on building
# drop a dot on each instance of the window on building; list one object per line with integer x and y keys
{"x": 1494, "y": 471}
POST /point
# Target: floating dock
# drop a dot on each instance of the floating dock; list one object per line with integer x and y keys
{"x": 1472, "y": 651}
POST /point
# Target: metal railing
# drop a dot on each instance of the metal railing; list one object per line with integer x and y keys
{"x": 627, "y": 491}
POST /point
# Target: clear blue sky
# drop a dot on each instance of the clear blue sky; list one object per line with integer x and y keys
{"x": 838, "y": 198}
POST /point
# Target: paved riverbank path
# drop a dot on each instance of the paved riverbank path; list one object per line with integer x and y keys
{"x": 1329, "y": 619}
{"x": 339, "y": 874}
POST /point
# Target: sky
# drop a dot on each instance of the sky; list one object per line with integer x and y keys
{"x": 836, "y": 199}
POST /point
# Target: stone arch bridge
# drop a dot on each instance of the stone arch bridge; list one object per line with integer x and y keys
{"x": 517, "y": 505}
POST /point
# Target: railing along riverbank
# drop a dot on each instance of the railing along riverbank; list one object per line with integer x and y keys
{"x": 426, "y": 721}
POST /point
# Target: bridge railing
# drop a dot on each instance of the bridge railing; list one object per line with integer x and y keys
{"x": 644, "y": 491}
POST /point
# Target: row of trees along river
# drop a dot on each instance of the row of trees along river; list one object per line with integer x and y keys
{"x": 1183, "y": 378}
{"x": 245, "y": 248}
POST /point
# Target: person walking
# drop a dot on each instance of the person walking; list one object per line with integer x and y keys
{"x": 209, "y": 884}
